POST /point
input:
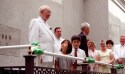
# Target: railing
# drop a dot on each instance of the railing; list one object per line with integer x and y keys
{"x": 29, "y": 67}
{"x": 12, "y": 70}
{"x": 44, "y": 70}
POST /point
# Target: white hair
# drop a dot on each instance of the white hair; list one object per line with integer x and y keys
{"x": 122, "y": 36}
{"x": 102, "y": 41}
{"x": 85, "y": 24}
{"x": 43, "y": 7}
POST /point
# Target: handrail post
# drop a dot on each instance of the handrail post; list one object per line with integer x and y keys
{"x": 85, "y": 68}
{"x": 113, "y": 70}
{"x": 29, "y": 62}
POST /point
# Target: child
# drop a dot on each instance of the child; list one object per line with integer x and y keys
{"x": 63, "y": 63}
{"x": 76, "y": 51}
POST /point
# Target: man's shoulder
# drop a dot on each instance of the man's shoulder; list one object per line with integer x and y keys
{"x": 73, "y": 50}
{"x": 81, "y": 34}
{"x": 62, "y": 39}
{"x": 117, "y": 45}
{"x": 80, "y": 50}
{"x": 35, "y": 19}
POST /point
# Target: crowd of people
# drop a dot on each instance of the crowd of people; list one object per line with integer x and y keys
{"x": 79, "y": 46}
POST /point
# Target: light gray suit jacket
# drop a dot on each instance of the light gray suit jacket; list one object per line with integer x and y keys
{"x": 40, "y": 31}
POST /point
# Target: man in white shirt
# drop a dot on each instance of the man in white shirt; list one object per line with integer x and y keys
{"x": 119, "y": 52}
{"x": 58, "y": 39}
{"x": 119, "y": 49}
{"x": 41, "y": 32}
{"x": 76, "y": 51}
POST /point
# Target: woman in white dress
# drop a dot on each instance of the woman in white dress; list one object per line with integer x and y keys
{"x": 104, "y": 55}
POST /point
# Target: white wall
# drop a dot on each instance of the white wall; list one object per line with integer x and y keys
{"x": 116, "y": 22}
{"x": 97, "y": 16}
{"x": 18, "y": 13}
{"x": 68, "y": 14}
{"x": 73, "y": 17}
{"x": 114, "y": 28}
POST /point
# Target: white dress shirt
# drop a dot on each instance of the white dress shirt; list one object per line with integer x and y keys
{"x": 80, "y": 54}
{"x": 119, "y": 51}
{"x": 57, "y": 45}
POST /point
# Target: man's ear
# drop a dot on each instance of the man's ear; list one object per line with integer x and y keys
{"x": 79, "y": 43}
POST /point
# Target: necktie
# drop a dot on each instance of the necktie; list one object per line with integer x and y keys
{"x": 75, "y": 63}
{"x": 75, "y": 53}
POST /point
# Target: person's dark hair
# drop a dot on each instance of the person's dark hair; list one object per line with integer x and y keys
{"x": 109, "y": 42}
{"x": 69, "y": 49}
{"x": 57, "y": 28}
{"x": 75, "y": 37}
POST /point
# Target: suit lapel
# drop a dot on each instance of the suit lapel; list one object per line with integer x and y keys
{"x": 47, "y": 29}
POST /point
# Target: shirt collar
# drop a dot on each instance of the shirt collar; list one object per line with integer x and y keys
{"x": 57, "y": 38}
{"x": 41, "y": 19}
{"x": 84, "y": 33}
{"x": 122, "y": 45}
{"x": 75, "y": 49}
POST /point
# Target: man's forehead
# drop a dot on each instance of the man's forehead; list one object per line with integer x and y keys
{"x": 58, "y": 29}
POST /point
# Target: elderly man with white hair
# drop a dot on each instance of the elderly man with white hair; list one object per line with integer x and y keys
{"x": 119, "y": 52}
{"x": 85, "y": 29}
{"x": 119, "y": 49}
{"x": 41, "y": 32}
